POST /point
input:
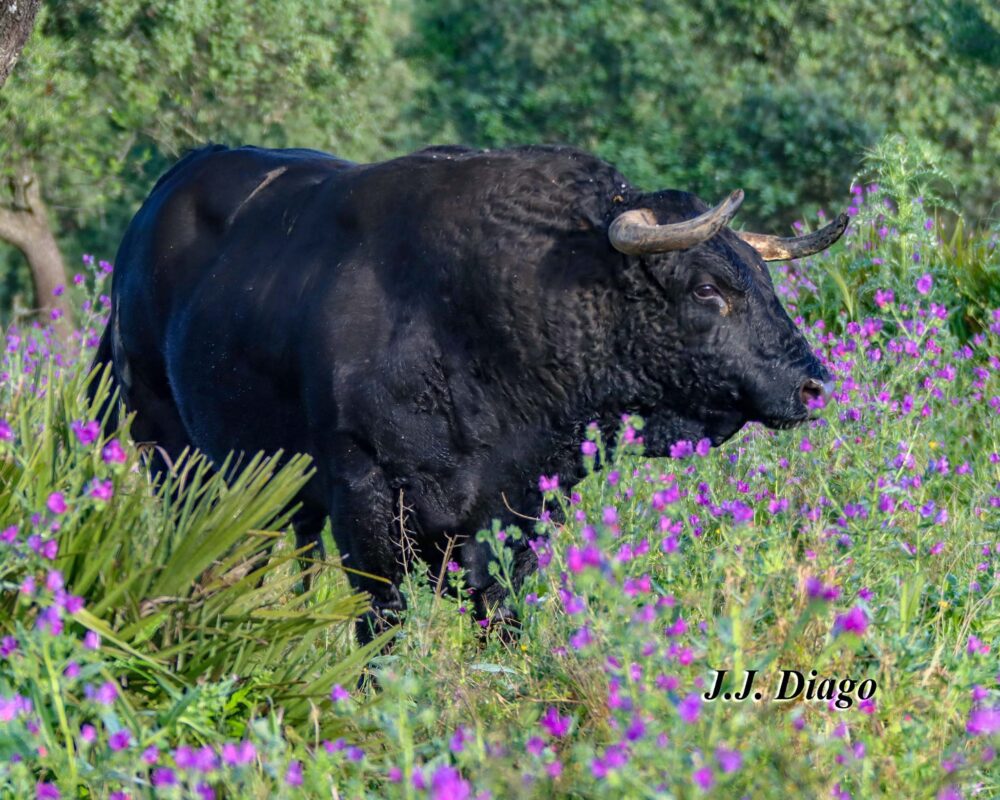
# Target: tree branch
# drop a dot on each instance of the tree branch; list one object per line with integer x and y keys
{"x": 15, "y": 227}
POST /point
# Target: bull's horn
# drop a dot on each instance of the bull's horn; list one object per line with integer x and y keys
{"x": 776, "y": 248}
{"x": 636, "y": 232}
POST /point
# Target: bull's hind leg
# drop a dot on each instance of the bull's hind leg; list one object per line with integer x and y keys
{"x": 308, "y": 524}
{"x": 157, "y": 425}
{"x": 366, "y": 533}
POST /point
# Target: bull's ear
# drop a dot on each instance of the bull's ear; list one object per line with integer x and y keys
{"x": 777, "y": 248}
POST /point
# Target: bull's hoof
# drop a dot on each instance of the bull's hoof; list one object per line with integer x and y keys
{"x": 503, "y": 623}
{"x": 376, "y": 621}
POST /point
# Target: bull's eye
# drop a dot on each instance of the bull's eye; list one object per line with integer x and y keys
{"x": 708, "y": 293}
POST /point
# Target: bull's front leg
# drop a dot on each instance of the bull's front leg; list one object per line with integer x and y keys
{"x": 367, "y": 533}
{"x": 491, "y": 598}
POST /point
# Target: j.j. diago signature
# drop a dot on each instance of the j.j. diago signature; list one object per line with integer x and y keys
{"x": 790, "y": 684}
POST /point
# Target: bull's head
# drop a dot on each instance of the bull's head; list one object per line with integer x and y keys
{"x": 729, "y": 350}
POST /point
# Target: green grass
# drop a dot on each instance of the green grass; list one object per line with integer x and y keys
{"x": 865, "y": 546}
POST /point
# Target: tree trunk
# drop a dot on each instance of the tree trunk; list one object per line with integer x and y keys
{"x": 26, "y": 226}
{"x": 17, "y": 18}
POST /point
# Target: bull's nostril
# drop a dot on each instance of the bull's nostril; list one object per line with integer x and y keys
{"x": 811, "y": 391}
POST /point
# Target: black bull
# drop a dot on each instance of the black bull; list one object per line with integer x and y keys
{"x": 436, "y": 331}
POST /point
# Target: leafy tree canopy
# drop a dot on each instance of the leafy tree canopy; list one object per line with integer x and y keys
{"x": 781, "y": 98}
{"x": 107, "y": 94}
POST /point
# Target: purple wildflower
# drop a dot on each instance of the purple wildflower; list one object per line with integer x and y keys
{"x": 729, "y": 760}
{"x": 113, "y": 453}
{"x": 163, "y": 777}
{"x": 689, "y": 708}
{"x": 56, "y": 503}
{"x": 293, "y": 776}
{"x": 107, "y": 693}
{"x": 338, "y": 694}
{"x": 854, "y": 621}
{"x": 703, "y": 778}
{"x": 555, "y": 725}
{"x": 983, "y": 721}
{"x": 447, "y": 784}
{"x": 102, "y": 490}
{"x": 681, "y": 449}
{"x": 86, "y": 432}
{"x": 119, "y": 740}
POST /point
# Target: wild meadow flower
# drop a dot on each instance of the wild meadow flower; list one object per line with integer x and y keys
{"x": 458, "y": 739}
{"x": 101, "y": 490}
{"x": 447, "y": 784}
{"x": 581, "y": 638}
{"x": 113, "y": 453}
{"x": 703, "y": 778}
{"x": 163, "y": 776}
{"x": 548, "y": 484}
{"x": 86, "y": 432}
{"x": 6, "y": 433}
{"x": 234, "y": 754}
{"x": 925, "y": 282}
{"x": 107, "y": 693}
{"x": 854, "y": 621}
{"x": 120, "y": 740}
{"x": 681, "y": 449}
{"x": 975, "y": 646}
{"x": 729, "y": 760}
{"x": 293, "y": 775}
{"x": 983, "y": 721}
{"x": 689, "y": 708}
{"x": 56, "y": 503}
{"x": 338, "y": 694}
{"x": 815, "y": 589}
{"x": 555, "y": 725}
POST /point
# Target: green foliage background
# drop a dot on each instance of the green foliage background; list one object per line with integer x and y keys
{"x": 781, "y": 98}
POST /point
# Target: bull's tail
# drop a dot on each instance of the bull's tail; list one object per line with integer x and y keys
{"x": 103, "y": 387}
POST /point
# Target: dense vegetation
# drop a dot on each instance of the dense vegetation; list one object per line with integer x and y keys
{"x": 155, "y": 641}
{"x": 780, "y": 98}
